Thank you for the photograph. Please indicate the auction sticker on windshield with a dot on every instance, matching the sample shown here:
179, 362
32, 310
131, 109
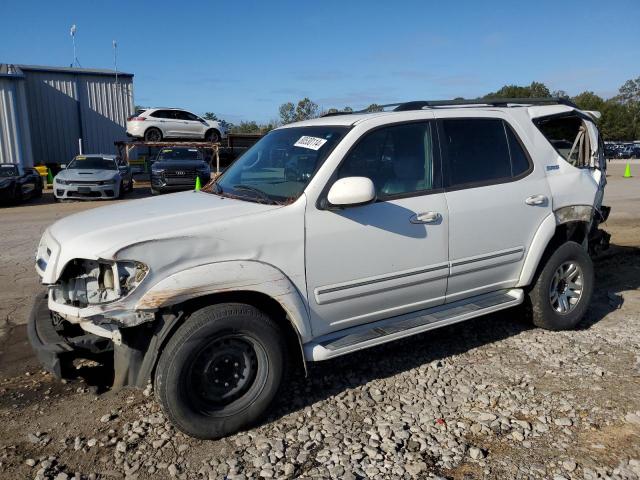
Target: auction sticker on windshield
312, 143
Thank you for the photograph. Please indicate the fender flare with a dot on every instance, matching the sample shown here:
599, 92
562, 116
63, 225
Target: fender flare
229, 276
541, 239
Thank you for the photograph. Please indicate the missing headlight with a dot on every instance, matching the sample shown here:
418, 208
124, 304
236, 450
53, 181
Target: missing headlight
92, 282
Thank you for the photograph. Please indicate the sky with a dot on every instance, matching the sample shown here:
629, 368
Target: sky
242, 59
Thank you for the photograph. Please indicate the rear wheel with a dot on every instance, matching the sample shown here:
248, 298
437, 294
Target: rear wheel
561, 293
152, 135
220, 370
212, 136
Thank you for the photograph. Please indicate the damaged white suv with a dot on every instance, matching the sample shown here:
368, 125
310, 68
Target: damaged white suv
328, 236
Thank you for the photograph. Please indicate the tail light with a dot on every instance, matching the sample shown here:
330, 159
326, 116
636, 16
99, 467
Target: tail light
136, 119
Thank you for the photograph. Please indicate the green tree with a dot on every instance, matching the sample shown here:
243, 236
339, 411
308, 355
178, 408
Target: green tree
374, 107
617, 122
306, 109
287, 113
210, 116
535, 90
347, 109
588, 101
630, 91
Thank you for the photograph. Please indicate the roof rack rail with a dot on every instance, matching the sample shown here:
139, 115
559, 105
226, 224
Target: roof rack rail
494, 102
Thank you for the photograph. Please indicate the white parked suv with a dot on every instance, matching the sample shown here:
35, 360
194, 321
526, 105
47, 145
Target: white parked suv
156, 124
328, 236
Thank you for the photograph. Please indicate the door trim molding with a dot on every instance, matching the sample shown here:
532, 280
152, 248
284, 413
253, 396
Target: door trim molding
390, 281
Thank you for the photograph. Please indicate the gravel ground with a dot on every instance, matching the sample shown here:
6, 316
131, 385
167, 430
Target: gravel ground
489, 398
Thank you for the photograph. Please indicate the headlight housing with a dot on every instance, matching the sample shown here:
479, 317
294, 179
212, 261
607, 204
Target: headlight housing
92, 282
61, 182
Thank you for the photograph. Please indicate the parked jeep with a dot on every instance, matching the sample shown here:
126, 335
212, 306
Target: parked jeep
328, 236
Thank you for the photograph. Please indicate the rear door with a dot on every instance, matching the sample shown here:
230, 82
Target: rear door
387, 258
496, 198
165, 120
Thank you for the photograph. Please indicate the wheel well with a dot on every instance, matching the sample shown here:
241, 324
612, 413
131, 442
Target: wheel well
576, 231
258, 300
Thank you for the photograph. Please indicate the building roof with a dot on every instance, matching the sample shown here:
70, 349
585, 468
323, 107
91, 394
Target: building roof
12, 70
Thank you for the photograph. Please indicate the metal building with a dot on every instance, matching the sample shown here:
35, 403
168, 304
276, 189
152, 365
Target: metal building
46, 111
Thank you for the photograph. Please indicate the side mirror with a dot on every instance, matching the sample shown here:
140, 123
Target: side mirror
351, 192
63, 166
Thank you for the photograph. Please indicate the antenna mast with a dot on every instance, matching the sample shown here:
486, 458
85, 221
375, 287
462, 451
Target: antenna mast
72, 32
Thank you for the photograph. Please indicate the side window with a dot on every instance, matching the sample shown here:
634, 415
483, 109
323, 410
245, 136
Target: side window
477, 150
190, 116
180, 115
519, 159
398, 159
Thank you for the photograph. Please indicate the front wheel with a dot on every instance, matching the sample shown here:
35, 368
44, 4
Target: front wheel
220, 370
561, 293
212, 136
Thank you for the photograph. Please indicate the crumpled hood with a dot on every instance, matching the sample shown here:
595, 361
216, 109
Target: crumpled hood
86, 175
103, 232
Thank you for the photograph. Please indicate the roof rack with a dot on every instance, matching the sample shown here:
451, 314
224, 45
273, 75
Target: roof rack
493, 102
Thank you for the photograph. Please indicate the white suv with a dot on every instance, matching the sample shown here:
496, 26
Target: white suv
326, 237
156, 124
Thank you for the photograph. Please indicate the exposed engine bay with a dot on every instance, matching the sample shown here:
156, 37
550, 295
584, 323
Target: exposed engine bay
93, 282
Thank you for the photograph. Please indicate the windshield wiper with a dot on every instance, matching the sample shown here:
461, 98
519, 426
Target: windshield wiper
257, 191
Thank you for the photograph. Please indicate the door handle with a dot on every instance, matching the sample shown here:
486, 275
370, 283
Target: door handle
536, 200
426, 217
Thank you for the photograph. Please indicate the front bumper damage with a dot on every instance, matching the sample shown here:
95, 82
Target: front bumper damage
132, 351
57, 343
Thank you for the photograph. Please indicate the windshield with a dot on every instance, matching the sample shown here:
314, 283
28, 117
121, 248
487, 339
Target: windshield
179, 154
8, 171
92, 163
278, 168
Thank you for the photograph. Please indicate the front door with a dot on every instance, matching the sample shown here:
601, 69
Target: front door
384, 259
496, 199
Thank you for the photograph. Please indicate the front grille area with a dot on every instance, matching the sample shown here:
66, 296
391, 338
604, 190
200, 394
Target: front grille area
186, 174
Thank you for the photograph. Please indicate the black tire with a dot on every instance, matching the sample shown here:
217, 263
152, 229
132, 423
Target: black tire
220, 370
544, 309
152, 135
37, 193
121, 190
130, 186
212, 136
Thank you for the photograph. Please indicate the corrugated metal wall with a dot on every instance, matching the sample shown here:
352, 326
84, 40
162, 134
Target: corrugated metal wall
52, 99
66, 106
105, 108
15, 145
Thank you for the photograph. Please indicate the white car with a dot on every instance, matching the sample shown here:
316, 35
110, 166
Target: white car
328, 236
93, 177
156, 124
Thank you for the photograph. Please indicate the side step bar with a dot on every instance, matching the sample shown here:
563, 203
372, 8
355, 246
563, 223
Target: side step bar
383, 331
